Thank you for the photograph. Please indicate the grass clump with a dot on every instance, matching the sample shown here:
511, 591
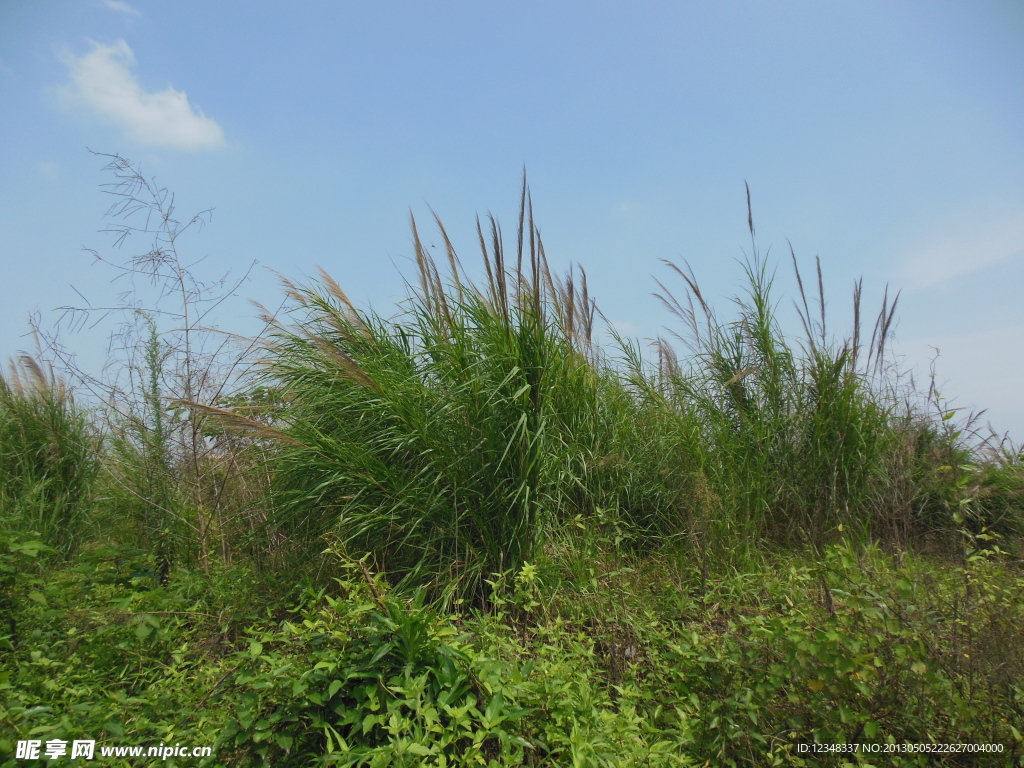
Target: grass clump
447, 442
797, 440
47, 455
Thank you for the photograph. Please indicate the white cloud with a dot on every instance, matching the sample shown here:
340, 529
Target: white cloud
117, 5
103, 82
964, 247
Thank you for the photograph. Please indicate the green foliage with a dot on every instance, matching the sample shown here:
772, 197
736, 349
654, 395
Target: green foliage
636, 669
855, 648
105, 653
797, 438
459, 439
849, 651
47, 455
369, 680
448, 442
19, 577
582, 558
996, 491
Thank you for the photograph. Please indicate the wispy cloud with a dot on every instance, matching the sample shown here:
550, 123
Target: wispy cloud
102, 81
964, 247
49, 169
117, 5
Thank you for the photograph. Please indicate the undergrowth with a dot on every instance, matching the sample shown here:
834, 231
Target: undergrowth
639, 664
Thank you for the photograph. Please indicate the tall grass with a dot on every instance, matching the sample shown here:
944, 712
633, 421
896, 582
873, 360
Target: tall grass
460, 438
47, 454
801, 439
794, 440
176, 481
446, 441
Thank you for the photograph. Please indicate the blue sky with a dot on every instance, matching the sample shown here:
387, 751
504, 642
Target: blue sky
888, 138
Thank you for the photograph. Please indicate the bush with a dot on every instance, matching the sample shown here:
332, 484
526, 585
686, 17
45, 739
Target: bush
370, 680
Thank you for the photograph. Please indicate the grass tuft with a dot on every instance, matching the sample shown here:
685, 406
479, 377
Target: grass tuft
47, 453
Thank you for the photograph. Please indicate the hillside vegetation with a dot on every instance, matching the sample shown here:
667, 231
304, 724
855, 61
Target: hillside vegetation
469, 534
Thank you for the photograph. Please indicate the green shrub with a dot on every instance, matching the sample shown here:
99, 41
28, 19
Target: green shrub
370, 680
107, 654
